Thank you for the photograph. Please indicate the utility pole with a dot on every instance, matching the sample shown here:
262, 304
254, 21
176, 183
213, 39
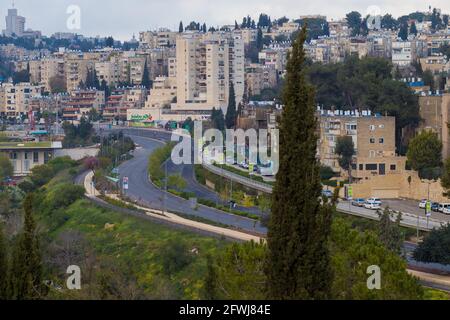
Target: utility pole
231, 195
165, 187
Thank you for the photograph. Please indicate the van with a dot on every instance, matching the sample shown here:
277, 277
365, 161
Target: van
443, 206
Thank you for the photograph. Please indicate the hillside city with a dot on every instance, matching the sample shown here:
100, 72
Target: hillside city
354, 203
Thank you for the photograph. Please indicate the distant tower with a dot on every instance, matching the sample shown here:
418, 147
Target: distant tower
15, 24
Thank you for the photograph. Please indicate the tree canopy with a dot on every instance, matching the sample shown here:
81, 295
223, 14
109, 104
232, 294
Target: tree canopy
425, 154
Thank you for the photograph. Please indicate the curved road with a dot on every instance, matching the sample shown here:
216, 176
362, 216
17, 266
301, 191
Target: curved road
143, 191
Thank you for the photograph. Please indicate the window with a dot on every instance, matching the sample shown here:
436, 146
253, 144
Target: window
372, 140
35, 157
372, 127
13, 156
371, 167
381, 140
361, 167
26, 156
393, 167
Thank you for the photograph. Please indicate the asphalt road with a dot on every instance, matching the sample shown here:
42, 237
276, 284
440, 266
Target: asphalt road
142, 190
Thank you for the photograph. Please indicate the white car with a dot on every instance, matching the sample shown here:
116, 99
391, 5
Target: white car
372, 206
443, 206
423, 204
374, 201
446, 210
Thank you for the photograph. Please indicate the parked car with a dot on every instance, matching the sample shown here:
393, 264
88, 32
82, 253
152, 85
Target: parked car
435, 206
359, 202
327, 193
374, 201
372, 206
443, 206
423, 203
446, 210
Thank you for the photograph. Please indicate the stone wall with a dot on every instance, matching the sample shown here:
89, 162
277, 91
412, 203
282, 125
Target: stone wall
404, 185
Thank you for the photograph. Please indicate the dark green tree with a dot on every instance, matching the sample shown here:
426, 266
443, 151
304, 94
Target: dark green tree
210, 288
259, 40
345, 148
26, 267
230, 118
3, 266
109, 42
403, 32
413, 29
425, 154
146, 82
354, 22
388, 22
298, 260
180, 27
389, 232
434, 247
217, 119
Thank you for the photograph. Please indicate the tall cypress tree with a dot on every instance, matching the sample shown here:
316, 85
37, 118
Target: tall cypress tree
180, 27
230, 118
3, 267
26, 272
298, 262
146, 77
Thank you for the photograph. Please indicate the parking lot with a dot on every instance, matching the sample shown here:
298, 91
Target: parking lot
412, 206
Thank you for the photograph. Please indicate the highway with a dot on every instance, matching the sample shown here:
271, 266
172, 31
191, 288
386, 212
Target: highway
142, 190
145, 193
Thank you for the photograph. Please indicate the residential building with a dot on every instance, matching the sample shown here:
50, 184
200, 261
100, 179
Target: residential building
80, 103
206, 65
15, 24
122, 99
24, 156
15, 99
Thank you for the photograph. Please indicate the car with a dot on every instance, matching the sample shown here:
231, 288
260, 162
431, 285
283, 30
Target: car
372, 206
327, 193
374, 201
435, 206
443, 206
446, 210
359, 202
423, 203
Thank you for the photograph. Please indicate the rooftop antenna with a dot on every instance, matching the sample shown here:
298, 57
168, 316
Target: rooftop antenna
13, 3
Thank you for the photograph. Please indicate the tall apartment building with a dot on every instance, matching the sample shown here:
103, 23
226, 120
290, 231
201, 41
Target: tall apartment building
206, 65
15, 24
15, 99
76, 68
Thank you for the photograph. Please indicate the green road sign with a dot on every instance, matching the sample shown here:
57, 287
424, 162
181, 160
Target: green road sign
428, 207
350, 191
251, 168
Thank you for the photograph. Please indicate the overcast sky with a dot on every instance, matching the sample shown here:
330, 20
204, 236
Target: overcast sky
122, 18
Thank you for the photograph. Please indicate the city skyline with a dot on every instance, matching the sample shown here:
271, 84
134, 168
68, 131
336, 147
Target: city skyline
98, 19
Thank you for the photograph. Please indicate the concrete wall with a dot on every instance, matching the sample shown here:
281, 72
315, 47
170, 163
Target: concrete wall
404, 185
78, 153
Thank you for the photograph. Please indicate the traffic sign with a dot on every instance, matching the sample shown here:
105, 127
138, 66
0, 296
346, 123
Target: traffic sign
349, 192
125, 183
428, 208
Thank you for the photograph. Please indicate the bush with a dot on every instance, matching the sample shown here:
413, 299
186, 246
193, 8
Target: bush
157, 159
175, 256
435, 247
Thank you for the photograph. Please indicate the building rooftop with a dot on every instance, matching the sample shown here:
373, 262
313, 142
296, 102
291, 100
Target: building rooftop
30, 145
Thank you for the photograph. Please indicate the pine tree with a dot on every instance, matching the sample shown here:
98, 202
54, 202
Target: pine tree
210, 289
146, 77
181, 28
298, 260
217, 119
403, 33
389, 232
26, 272
230, 118
3, 267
